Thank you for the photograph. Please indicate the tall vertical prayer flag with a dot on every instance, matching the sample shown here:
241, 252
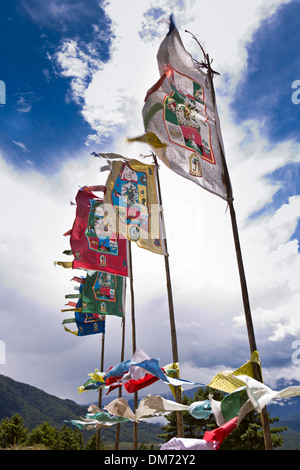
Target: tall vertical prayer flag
131, 191
87, 324
103, 293
180, 112
94, 243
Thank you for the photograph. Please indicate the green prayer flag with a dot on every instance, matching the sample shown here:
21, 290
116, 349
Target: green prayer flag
103, 293
233, 402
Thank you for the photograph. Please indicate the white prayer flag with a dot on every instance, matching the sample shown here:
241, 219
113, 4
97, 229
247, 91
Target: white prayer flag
181, 113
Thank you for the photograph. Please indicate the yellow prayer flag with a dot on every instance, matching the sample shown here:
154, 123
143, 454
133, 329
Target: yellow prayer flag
131, 204
226, 380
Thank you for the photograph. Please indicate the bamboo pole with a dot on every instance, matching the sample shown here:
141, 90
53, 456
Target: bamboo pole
100, 391
180, 429
135, 424
117, 441
243, 282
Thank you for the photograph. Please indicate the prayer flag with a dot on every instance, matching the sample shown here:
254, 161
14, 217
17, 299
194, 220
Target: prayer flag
87, 324
186, 443
227, 380
219, 434
180, 112
103, 293
94, 244
131, 192
119, 407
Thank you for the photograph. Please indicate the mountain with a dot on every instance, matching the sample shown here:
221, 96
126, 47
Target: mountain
35, 406
288, 410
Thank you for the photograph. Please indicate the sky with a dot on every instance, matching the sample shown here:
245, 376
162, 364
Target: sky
76, 74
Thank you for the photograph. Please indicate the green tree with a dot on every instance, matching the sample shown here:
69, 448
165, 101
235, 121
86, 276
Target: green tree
69, 439
12, 432
43, 434
247, 436
92, 444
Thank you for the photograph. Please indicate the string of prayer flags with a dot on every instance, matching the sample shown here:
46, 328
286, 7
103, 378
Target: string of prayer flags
130, 385
119, 411
131, 192
135, 374
94, 244
180, 111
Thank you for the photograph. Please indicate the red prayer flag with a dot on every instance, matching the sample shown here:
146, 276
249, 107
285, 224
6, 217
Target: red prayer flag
94, 245
134, 385
218, 435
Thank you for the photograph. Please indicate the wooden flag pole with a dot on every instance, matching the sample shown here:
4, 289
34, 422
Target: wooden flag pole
135, 424
100, 391
180, 429
120, 388
245, 295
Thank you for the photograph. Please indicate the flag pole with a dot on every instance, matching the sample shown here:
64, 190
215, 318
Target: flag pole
180, 430
100, 391
120, 388
135, 424
243, 282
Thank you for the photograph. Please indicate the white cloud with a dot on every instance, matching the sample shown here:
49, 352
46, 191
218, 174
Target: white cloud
23, 106
21, 145
77, 65
112, 93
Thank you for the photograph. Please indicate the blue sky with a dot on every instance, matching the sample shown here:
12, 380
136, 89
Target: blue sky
40, 119
265, 93
76, 74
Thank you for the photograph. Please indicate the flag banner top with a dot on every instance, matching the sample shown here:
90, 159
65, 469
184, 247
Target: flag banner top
103, 293
180, 111
94, 244
131, 192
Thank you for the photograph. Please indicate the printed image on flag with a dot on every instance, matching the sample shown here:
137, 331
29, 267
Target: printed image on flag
180, 111
131, 191
94, 244
103, 293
